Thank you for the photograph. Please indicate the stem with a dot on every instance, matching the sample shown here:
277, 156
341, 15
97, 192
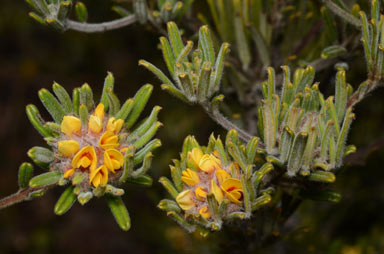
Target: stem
358, 96
226, 124
101, 27
342, 13
20, 196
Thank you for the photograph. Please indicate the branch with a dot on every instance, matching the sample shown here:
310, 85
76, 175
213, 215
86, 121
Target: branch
20, 196
226, 123
101, 27
342, 13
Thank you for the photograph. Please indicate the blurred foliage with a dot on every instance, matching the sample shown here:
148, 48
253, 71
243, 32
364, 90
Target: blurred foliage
33, 56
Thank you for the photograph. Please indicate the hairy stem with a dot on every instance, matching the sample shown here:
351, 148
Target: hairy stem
342, 13
100, 27
20, 196
226, 123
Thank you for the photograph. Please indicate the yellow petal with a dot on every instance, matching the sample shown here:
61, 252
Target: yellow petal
108, 140
201, 193
231, 184
204, 212
87, 152
115, 125
96, 180
95, 124
99, 111
70, 124
68, 147
185, 200
209, 163
233, 190
113, 159
217, 192
234, 197
69, 172
84, 162
222, 175
99, 176
195, 156
190, 177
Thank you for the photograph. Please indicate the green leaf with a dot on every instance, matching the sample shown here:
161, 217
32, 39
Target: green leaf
158, 73
175, 38
108, 86
296, 154
322, 176
52, 105
144, 180
81, 12
65, 202
168, 55
169, 186
41, 156
119, 211
125, 110
206, 43
76, 100
139, 156
333, 51
128, 164
63, 97
169, 206
139, 102
45, 179
25, 174
36, 120
214, 84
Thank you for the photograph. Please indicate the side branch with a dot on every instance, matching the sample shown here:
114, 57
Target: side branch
20, 196
342, 13
100, 27
227, 124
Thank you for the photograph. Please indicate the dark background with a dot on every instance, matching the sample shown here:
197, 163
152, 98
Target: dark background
33, 56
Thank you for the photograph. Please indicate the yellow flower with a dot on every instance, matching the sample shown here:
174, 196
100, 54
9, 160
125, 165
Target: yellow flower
95, 123
70, 124
99, 111
217, 192
69, 172
209, 163
195, 156
222, 175
68, 147
108, 140
201, 193
185, 200
204, 212
113, 160
114, 125
190, 177
85, 158
233, 190
99, 176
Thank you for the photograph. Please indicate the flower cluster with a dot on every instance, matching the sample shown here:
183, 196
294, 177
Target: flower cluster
216, 183
92, 149
209, 175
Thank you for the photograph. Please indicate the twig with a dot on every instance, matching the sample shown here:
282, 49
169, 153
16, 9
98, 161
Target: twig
101, 27
226, 123
21, 195
342, 13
